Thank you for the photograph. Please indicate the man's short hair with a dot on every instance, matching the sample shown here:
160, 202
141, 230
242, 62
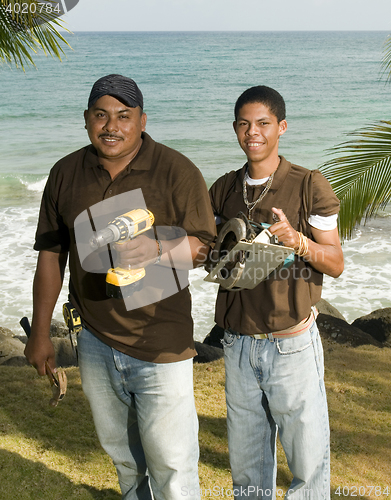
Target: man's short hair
263, 95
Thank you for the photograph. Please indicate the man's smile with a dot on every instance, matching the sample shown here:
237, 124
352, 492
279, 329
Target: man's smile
110, 138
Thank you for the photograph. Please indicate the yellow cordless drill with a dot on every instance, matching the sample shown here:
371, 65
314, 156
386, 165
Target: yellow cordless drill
123, 282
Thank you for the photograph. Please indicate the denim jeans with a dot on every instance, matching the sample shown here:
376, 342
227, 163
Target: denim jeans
270, 387
145, 418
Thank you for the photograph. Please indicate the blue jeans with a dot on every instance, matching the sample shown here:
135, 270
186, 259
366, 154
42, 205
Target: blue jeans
270, 387
145, 418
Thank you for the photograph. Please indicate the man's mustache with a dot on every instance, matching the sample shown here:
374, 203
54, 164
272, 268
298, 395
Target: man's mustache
110, 136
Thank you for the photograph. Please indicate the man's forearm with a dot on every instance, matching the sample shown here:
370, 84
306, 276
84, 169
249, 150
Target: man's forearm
325, 253
46, 289
325, 258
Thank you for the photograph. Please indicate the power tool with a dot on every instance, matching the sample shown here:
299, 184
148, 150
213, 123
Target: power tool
245, 254
122, 283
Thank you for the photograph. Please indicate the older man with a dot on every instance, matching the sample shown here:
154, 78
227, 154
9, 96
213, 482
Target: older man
135, 362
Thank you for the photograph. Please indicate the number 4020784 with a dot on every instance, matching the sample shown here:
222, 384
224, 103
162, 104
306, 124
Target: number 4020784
34, 8
363, 491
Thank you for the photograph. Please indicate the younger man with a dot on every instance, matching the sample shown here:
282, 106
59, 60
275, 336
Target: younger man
273, 353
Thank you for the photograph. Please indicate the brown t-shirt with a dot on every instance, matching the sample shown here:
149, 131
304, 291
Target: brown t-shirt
286, 296
175, 192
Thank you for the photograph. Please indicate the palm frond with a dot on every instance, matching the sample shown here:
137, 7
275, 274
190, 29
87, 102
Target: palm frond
360, 175
23, 34
386, 60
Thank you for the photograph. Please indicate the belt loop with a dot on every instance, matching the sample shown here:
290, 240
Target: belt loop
271, 338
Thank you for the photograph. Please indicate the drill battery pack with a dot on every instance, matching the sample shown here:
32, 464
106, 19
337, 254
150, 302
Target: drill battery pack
72, 318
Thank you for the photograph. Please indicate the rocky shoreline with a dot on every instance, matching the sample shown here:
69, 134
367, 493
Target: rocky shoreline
12, 346
372, 329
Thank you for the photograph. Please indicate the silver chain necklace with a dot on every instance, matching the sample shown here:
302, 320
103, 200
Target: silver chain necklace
251, 205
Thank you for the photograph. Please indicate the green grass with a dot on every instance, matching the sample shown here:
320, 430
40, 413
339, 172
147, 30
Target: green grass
53, 453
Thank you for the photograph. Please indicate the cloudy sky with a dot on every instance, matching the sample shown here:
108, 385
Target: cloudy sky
242, 15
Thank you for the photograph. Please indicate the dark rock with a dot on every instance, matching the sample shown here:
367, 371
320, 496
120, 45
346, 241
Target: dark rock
207, 353
214, 337
340, 331
377, 324
58, 329
10, 348
65, 355
325, 307
21, 338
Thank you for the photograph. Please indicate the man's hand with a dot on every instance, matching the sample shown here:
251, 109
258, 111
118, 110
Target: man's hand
183, 253
40, 349
136, 253
324, 250
284, 231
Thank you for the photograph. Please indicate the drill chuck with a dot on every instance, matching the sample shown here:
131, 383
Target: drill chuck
109, 234
124, 227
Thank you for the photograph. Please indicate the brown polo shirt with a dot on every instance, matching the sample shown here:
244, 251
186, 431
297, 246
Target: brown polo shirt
286, 296
175, 192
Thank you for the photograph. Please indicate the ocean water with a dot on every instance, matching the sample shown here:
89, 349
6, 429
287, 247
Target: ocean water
332, 85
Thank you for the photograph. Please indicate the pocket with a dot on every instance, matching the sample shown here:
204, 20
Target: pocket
229, 338
294, 344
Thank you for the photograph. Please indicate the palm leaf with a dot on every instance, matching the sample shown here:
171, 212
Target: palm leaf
22, 35
361, 175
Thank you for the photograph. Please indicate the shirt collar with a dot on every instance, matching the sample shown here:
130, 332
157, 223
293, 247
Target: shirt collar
279, 175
